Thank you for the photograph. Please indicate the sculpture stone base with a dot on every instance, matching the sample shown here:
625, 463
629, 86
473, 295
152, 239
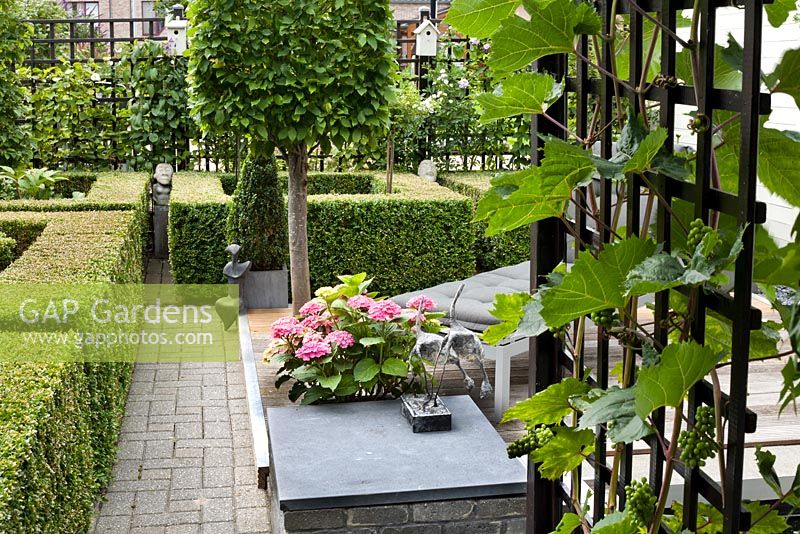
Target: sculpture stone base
429, 419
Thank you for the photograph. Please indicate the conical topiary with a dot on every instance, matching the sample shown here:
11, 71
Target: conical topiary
258, 220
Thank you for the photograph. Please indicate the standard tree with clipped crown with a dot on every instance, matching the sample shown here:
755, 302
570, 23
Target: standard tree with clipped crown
257, 220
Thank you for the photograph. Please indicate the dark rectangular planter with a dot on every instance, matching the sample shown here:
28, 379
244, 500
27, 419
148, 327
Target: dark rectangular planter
266, 289
433, 419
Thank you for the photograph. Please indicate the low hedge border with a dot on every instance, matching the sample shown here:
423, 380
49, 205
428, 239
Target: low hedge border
414, 238
319, 183
492, 252
109, 191
59, 422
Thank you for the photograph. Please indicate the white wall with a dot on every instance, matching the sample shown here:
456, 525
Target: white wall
785, 114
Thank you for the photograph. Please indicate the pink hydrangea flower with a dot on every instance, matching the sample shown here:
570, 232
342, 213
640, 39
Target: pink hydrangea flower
360, 302
311, 350
422, 302
315, 321
342, 338
285, 327
384, 310
312, 307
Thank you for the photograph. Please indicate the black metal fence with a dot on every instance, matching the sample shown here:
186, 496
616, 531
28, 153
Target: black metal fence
549, 359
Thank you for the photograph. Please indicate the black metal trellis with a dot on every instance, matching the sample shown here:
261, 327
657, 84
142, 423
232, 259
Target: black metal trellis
549, 360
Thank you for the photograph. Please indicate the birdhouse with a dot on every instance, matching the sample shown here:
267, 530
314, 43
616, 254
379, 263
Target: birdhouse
427, 39
176, 31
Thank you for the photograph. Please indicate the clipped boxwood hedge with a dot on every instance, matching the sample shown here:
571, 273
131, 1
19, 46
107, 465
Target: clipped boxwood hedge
59, 422
198, 212
108, 191
508, 248
8, 247
414, 238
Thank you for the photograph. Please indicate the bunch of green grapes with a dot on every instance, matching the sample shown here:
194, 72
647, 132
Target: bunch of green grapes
640, 502
536, 437
605, 318
697, 231
698, 444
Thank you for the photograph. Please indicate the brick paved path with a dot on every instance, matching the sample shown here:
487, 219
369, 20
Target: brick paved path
185, 462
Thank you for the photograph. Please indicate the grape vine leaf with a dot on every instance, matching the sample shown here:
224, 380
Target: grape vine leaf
725, 76
615, 406
777, 161
790, 373
765, 460
568, 448
616, 523
641, 160
631, 138
508, 307
552, 29
778, 11
769, 520
536, 193
569, 522
656, 273
524, 93
595, 284
479, 18
708, 517
786, 76
682, 365
548, 406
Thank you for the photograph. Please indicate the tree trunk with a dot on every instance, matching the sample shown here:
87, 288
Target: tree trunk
390, 161
297, 161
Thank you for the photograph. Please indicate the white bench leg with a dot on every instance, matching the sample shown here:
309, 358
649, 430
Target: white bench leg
502, 382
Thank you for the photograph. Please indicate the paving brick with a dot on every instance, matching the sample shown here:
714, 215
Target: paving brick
216, 413
128, 450
118, 503
134, 423
183, 529
151, 502
218, 457
250, 520
217, 430
191, 430
219, 528
127, 470
243, 456
165, 519
147, 530
187, 477
137, 408
137, 485
148, 474
249, 497
159, 448
112, 524
218, 510
187, 505
189, 452
214, 477
214, 380
162, 407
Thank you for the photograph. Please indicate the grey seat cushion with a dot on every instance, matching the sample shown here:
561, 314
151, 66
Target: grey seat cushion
472, 308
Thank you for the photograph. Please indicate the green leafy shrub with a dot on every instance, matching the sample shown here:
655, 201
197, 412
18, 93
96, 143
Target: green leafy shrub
160, 126
496, 251
8, 246
80, 181
339, 183
257, 219
228, 182
32, 184
15, 140
198, 211
72, 126
59, 422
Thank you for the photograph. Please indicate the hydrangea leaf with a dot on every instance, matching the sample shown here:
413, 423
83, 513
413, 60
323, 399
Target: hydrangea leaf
479, 18
365, 370
525, 93
595, 284
682, 365
394, 367
786, 76
568, 448
508, 307
550, 405
615, 406
552, 29
330, 382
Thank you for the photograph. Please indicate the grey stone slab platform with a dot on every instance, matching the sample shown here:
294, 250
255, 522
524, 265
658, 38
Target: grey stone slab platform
365, 454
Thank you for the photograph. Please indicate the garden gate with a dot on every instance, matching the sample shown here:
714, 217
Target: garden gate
549, 358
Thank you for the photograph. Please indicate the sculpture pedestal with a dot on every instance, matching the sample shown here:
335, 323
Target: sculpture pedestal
424, 418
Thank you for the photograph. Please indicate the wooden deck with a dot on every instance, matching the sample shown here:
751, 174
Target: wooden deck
780, 433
